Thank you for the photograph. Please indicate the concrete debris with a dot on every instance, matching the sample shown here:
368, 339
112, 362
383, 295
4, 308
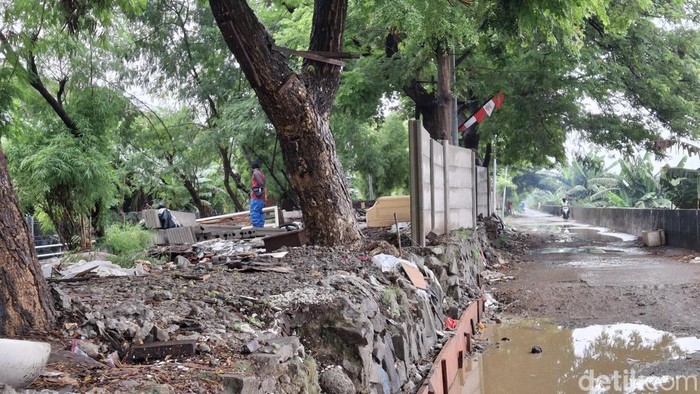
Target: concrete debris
307, 296
223, 247
101, 268
335, 381
251, 347
495, 276
218, 308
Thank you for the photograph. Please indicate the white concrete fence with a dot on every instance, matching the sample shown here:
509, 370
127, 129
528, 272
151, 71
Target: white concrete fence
448, 189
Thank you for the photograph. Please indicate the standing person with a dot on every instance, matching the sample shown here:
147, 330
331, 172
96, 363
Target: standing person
167, 220
257, 196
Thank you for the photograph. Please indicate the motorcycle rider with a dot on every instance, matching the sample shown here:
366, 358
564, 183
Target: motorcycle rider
565, 208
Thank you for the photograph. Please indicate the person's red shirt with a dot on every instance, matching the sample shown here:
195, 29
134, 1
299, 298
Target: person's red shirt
258, 181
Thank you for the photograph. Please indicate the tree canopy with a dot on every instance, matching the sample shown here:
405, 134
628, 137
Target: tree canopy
113, 105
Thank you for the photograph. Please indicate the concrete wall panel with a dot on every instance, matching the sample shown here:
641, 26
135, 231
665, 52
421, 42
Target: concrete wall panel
682, 226
443, 191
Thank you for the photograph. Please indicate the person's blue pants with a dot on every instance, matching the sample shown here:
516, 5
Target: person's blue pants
256, 213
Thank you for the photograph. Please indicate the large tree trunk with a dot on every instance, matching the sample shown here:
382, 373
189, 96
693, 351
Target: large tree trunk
204, 209
25, 302
299, 107
426, 108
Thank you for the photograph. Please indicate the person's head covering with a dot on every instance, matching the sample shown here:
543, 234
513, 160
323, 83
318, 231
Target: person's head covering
255, 164
161, 205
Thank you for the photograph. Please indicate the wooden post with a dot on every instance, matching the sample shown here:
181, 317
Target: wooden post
398, 235
445, 385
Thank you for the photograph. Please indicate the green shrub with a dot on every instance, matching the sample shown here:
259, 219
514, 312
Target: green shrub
122, 239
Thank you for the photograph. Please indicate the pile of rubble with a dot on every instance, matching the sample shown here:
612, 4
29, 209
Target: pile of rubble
228, 315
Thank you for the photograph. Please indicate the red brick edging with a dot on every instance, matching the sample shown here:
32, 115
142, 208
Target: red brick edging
451, 358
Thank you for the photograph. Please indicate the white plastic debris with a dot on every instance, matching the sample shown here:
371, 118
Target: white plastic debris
387, 262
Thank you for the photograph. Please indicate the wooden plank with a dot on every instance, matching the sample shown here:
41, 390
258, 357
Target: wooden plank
159, 350
222, 218
382, 213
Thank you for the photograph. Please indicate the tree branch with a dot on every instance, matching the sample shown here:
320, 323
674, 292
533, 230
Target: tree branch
38, 85
61, 90
243, 34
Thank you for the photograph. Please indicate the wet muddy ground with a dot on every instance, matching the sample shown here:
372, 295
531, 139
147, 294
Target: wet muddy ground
578, 276
610, 315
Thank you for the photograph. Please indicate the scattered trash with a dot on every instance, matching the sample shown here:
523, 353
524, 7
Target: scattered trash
402, 226
386, 262
451, 323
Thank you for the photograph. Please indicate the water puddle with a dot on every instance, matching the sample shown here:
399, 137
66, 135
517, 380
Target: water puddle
587, 250
543, 227
595, 359
600, 234
595, 234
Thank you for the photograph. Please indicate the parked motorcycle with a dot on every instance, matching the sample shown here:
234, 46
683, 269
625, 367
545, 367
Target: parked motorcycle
565, 212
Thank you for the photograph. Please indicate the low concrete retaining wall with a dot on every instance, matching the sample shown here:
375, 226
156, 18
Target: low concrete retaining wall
682, 226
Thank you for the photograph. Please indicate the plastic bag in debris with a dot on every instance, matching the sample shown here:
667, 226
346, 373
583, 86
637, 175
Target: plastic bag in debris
387, 262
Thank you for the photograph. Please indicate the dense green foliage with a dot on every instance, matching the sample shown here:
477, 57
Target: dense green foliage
127, 243
629, 182
116, 105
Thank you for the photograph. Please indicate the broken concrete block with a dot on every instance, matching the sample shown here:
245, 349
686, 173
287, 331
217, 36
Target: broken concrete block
240, 384
160, 334
91, 349
335, 381
251, 347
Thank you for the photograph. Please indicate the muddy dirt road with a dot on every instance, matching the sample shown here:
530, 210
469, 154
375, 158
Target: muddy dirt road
578, 276
609, 314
